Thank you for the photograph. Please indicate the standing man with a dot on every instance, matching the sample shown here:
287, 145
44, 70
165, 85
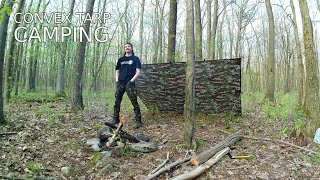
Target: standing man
128, 69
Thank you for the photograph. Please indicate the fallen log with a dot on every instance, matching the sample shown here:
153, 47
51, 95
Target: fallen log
8, 133
203, 167
205, 155
10, 177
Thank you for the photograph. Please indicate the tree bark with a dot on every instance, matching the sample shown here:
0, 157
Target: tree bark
214, 30
271, 64
312, 81
3, 41
189, 106
198, 31
141, 29
230, 36
172, 31
33, 61
160, 33
77, 101
205, 155
220, 37
21, 57
239, 31
208, 48
9, 75
155, 33
18, 65
60, 85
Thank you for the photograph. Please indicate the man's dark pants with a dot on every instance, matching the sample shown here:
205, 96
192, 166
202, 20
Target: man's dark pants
130, 88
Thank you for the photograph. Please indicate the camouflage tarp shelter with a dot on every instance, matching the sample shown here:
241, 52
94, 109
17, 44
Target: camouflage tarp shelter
217, 84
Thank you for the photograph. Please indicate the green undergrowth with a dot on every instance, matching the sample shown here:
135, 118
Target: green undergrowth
36, 97
250, 101
284, 116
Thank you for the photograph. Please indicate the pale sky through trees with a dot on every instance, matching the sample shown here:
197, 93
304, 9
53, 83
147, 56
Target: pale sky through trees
115, 8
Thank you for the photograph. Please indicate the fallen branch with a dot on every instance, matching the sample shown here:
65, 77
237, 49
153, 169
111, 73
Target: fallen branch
272, 140
204, 156
8, 133
239, 167
161, 165
23, 178
202, 168
10, 177
167, 168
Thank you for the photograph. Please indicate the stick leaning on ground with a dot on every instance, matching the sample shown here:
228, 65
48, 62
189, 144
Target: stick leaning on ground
167, 168
115, 133
161, 165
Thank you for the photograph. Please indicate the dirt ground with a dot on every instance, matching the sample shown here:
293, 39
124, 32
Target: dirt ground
50, 144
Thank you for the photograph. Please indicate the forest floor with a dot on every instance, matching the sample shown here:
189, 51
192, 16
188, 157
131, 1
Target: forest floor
50, 143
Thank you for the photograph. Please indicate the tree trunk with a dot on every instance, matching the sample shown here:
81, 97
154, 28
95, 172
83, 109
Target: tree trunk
214, 30
239, 25
77, 102
220, 37
3, 41
286, 52
141, 29
208, 29
198, 29
172, 31
12, 46
155, 31
312, 81
18, 64
230, 37
160, 34
189, 106
33, 62
271, 64
22, 57
60, 85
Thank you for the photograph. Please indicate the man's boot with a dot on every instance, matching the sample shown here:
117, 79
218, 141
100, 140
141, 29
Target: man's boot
114, 121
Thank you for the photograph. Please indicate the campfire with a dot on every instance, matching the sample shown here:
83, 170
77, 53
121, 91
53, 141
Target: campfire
111, 138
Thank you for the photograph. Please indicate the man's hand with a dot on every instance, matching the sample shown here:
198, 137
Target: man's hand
130, 83
138, 72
